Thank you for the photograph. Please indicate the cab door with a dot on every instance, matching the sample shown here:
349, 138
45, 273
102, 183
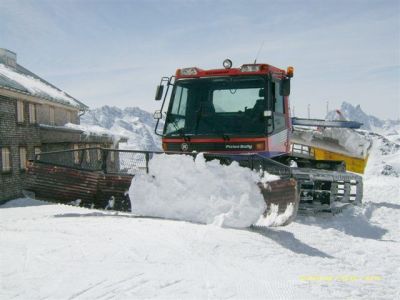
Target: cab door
279, 137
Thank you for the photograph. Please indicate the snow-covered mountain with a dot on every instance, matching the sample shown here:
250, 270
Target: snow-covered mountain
132, 122
384, 158
390, 128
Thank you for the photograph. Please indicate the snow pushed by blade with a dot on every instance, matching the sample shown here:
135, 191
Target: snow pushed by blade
181, 188
274, 218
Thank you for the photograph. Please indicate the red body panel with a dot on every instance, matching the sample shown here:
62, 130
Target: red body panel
264, 69
273, 146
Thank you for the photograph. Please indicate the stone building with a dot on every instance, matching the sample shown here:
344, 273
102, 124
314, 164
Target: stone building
33, 115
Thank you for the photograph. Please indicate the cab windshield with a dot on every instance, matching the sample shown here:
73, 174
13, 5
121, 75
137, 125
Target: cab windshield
217, 106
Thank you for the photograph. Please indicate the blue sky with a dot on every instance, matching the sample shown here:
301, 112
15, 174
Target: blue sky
114, 52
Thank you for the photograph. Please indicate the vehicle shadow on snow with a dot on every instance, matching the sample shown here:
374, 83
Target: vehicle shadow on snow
289, 241
95, 214
387, 205
22, 202
109, 213
370, 207
354, 225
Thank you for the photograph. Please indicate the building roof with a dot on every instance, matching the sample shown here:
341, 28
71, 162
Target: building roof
16, 78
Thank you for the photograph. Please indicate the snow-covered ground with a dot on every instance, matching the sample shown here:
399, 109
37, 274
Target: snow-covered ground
51, 251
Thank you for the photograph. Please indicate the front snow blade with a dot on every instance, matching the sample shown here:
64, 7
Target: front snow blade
282, 199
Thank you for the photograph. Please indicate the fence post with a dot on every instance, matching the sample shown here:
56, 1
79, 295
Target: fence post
81, 154
104, 154
250, 162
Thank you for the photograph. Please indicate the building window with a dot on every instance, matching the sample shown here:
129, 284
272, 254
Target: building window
51, 111
98, 152
5, 159
22, 158
20, 111
76, 154
32, 113
69, 117
112, 155
37, 152
88, 153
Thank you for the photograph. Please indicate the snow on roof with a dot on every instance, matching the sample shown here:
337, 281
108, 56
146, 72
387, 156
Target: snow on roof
24, 81
96, 130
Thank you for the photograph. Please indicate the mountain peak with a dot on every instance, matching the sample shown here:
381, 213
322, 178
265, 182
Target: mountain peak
136, 124
355, 113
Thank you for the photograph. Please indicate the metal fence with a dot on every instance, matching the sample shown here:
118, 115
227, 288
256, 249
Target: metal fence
116, 161
99, 159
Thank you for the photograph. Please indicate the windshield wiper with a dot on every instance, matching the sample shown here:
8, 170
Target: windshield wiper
179, 131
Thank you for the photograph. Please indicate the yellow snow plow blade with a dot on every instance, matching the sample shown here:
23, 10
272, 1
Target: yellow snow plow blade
353, 164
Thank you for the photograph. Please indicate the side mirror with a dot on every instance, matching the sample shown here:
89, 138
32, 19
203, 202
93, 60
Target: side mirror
285, 87
159, 92
157, 115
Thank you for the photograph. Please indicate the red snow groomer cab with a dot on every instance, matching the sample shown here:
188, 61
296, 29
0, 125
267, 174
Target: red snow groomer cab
243, 114
230, 110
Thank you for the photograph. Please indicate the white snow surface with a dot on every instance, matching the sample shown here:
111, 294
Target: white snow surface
52, 251
63, 252
36, 86
182, 188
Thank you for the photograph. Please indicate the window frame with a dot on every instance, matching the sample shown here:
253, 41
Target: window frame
52, 113
112, 155
37, 150
76, 153
99, 156
32, 113
23, 159
20, 111
3, 160
87, 154
69, 116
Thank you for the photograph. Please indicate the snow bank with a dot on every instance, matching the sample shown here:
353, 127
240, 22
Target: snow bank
181, 188
35, 86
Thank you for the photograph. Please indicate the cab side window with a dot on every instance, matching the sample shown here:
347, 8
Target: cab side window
278, 98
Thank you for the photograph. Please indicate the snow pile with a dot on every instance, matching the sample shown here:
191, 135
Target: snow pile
348, 139
35, 86
274, 218
345, 140
181, 188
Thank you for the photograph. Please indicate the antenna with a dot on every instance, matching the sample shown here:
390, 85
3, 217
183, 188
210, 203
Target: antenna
259, 50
